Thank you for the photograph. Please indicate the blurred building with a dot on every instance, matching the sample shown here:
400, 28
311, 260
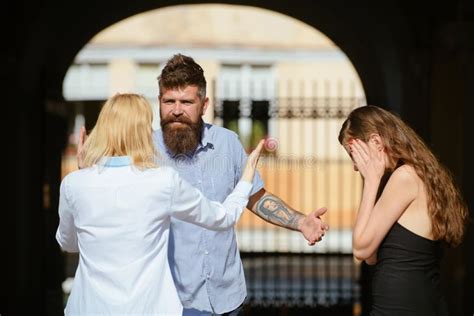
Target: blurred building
279, 78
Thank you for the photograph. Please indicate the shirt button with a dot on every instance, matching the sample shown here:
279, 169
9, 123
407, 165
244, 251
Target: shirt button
208, 276
206, 252
199, 181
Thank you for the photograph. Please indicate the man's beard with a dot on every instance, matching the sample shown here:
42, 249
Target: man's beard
181, 138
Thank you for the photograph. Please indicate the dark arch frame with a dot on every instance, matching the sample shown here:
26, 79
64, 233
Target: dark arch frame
367, 56
411, 57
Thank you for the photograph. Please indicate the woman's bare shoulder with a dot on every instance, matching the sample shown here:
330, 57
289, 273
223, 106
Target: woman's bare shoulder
404, 177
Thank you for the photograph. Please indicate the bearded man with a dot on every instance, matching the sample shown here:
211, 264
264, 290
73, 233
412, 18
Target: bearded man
205, 264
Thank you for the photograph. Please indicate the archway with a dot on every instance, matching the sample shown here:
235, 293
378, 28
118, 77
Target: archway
280, 78
60, 33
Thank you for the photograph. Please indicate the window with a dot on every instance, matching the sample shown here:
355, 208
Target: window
87, 81
245, 92
147, 79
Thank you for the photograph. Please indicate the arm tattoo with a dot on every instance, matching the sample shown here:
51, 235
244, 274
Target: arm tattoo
275, 211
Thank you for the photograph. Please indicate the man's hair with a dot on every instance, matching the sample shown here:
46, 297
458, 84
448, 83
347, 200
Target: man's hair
181, 71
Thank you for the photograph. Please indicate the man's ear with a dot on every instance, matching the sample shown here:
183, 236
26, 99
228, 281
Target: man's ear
205, 105
375, 139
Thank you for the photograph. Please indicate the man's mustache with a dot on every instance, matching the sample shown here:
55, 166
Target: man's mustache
170, 120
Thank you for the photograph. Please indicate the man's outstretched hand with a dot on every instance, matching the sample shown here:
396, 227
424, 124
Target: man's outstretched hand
312, 226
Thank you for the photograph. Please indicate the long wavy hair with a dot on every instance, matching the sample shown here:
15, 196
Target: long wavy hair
446, 207
124, 128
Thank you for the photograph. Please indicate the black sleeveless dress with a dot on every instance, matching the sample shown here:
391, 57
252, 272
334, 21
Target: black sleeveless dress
406, 278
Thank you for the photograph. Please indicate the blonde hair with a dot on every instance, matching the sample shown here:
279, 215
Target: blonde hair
124, 128
446, 207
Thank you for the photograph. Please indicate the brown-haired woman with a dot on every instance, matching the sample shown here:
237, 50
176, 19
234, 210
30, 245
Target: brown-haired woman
410, 204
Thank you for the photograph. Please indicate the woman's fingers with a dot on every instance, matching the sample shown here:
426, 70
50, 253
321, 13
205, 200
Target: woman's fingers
80, 147
255, 154
368, 160
251, 164
363, 149
82, 138
356, 155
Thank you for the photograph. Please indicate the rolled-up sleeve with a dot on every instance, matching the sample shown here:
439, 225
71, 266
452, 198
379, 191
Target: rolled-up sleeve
66, 235
190, 205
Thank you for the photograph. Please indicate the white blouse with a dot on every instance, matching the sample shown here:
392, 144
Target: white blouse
118, 218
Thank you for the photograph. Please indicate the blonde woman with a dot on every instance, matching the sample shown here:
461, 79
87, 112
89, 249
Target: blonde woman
116, 213
409, 205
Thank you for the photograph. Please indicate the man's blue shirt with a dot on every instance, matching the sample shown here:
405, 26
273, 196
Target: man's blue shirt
206, 264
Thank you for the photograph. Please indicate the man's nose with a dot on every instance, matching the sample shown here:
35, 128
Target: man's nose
177, 109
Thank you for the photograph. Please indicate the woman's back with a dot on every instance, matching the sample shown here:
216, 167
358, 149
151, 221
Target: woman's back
118, 217
416, 217
122, 219
406, 279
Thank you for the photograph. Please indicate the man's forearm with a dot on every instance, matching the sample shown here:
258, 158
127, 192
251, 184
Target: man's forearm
273, 210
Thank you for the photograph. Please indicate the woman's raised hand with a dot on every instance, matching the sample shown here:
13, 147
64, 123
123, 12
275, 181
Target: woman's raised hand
252, 160
369, 161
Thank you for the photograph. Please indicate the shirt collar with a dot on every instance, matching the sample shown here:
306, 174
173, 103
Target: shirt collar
116, 161
206, 141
